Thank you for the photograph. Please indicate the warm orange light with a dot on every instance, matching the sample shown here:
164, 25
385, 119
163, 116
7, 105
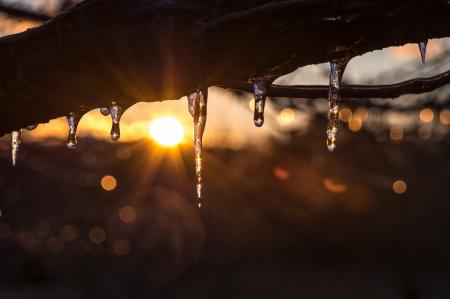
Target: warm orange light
121, 247
127, 215
396, 133
445, 116
362, 113
109, 183
355, 124
399, 186
281, 173
97, 235
426, 115
345, 114
286, 116
167, 131
334, 187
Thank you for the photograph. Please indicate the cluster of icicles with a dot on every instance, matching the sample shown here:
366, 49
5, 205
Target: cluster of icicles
197, 105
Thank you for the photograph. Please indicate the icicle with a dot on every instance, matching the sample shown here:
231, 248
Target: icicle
104, 111
32, 127
116, 115
260, 93
15, 145
73, 125
198, 102
423, 50
337, 71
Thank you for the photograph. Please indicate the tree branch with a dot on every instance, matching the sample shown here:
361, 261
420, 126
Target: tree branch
388, 91
148, 50
20, 13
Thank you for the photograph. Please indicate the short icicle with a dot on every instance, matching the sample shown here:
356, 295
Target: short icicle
198, 102
337, 71
73, 120
260, 93
15, 145
423, 50
116, 114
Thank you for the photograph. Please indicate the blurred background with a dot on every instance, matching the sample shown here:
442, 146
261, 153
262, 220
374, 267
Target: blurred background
283, 217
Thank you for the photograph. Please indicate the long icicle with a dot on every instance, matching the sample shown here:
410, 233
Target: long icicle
423, 50
198, 104
337, 71
260, 93
15, 145
73, 121
116, 114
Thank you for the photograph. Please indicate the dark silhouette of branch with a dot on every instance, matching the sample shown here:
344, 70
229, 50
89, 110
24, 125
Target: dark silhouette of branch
151, 50
21, 13
388, 91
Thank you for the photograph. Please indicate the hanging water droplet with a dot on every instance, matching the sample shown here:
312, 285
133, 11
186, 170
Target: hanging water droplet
32, 127
337, 71
73, 121
199, 112
116, 115
104, 111
15, 145
423, 50
260, 93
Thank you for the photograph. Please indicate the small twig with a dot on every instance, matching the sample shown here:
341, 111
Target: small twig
390, 91
20, 13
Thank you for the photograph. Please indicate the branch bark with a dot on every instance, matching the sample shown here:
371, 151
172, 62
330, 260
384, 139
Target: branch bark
387, 91
147, 50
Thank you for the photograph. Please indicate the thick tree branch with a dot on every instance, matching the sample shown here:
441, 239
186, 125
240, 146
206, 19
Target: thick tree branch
147, 50
388, 91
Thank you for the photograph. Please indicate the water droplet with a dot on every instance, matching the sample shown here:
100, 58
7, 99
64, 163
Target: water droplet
104, 111
199, 102
260, 93
15, 145
32, 127
116, 115
73, 121
423, 50
337, 71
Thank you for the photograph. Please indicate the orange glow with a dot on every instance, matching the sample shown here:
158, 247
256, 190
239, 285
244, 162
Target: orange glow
362, 113
396, 133
55, 245
345, 114
167, 131
121, 247
281, 173
445, 116
97, 235
127, 215
334, 187
68, 233
426, 115
355, 124
286, 116
109, 183
399, 186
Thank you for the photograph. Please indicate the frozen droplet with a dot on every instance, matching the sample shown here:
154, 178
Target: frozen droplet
73, 121
199, 112
104, 111
260, 93
337, 71
423, 50
15, 145
32, 127
116, 115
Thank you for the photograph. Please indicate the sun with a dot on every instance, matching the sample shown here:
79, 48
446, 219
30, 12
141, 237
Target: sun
166, 131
